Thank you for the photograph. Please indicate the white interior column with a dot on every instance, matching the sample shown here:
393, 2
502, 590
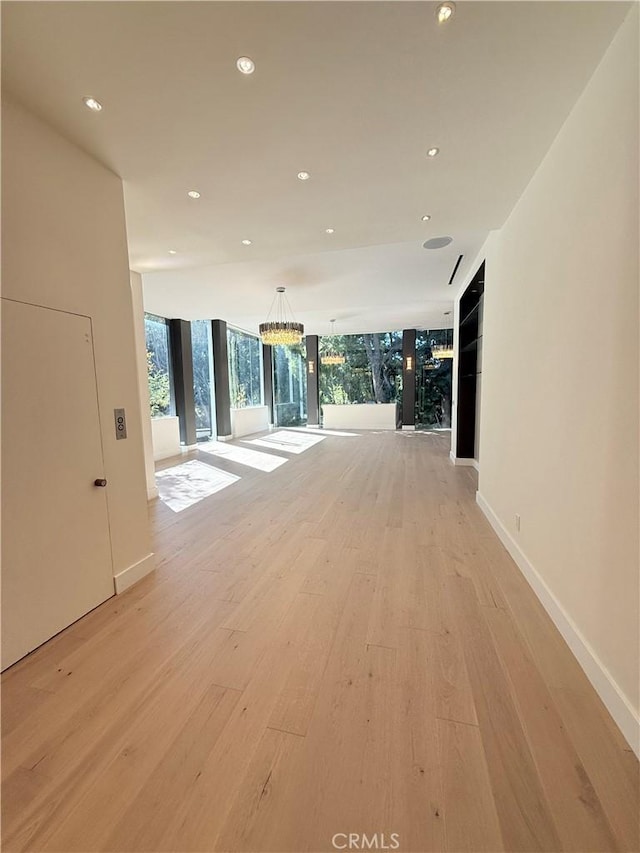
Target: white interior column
143, 383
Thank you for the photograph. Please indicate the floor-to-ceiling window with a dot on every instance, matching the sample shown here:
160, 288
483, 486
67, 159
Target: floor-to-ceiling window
289, 385
161, 399
202, 355
433, 378
245, 369
370, 373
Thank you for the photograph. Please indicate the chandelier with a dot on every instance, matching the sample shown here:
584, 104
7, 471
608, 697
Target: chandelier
332, 357
441, 351
279, 329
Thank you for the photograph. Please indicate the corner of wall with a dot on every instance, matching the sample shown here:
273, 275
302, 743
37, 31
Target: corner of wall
131, 575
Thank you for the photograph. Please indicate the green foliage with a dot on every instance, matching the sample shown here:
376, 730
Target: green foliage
433, 381
200, 347
159, 389
290, 385
372, 372
157, 340
244, 369
239, 396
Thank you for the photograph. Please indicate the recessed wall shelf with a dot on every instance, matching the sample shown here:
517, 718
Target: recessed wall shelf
472, 316
470, 342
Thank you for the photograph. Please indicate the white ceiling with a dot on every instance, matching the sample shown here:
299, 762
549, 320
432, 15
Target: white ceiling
353, 92
376, 288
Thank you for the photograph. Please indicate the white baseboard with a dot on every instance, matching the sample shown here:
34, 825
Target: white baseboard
126, 578
614, 699
462, 461
408, 426
152, 493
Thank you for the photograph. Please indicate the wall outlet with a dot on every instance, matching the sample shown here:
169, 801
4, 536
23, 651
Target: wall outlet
517, 522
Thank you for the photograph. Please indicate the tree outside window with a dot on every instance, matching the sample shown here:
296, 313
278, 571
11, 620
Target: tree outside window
245, 369
290, 385
371, 373
202, 360
161, 402
433, 381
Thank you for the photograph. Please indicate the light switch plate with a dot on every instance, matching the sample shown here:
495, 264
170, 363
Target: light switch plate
121, 423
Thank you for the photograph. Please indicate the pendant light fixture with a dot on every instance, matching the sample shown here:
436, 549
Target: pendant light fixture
280, 327
332, 357
445, 350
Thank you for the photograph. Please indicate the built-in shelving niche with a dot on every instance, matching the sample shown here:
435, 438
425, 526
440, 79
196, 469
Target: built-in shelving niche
469, 366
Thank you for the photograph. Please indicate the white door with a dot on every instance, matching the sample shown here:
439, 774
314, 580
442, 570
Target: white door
56, 554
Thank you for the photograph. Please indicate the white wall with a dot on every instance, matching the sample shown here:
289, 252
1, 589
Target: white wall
165, 434
65, 246
559, 439
143, 382
249, 420
359, 416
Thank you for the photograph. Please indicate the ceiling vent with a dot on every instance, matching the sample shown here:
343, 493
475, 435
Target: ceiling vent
455, 269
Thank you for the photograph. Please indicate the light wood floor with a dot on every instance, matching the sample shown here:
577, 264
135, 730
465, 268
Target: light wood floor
339, 646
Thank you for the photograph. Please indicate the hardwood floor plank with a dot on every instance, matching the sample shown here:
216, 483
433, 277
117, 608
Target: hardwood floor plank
523, 810
68, 721
419, 816
76, 756
340, 645
611, 766
147, 819
471, 819
201, 814
453, 692
255, 821
579, 817
297, 699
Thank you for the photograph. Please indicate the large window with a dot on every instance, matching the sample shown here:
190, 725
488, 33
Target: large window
202, 356
245, 369
159, 366
433, 380
289, 385
371, 373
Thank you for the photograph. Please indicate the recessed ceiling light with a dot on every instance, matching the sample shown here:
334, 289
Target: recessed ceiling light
245, 65
246, 242
92, 104
433, 152
172, 252
445, 11
303, 176
426, 217
329, 230
193, 194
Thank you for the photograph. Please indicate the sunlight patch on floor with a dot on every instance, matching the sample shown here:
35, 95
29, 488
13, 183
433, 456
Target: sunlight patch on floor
418, 432
243, 456
289, 442
186, 484
323, 431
